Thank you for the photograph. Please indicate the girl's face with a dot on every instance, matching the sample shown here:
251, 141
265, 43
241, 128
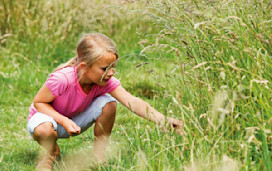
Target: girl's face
101, 71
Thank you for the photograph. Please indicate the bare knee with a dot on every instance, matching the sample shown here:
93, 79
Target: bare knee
105, 121
108, 112
110, 108
44, 131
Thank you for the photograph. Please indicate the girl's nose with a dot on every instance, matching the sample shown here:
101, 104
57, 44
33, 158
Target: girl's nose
111, 72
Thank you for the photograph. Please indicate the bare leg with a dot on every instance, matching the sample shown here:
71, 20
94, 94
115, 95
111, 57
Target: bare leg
47, 137
102, 130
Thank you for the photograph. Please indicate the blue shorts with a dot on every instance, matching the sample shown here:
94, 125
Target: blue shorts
84, 120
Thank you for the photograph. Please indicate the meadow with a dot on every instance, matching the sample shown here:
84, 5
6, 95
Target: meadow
208, 63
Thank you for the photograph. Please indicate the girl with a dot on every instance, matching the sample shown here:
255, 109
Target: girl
74, 97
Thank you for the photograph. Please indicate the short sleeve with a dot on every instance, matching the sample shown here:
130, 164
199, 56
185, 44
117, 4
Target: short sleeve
112, 84
57, 83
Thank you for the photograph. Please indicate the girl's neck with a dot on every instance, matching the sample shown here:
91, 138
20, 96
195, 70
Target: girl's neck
85, 86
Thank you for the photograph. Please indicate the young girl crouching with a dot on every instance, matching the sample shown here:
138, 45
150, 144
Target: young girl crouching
74, 97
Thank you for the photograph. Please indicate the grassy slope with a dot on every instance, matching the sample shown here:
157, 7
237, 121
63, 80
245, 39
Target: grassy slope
237, 135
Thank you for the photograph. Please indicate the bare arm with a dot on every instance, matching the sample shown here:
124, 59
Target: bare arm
42, 103
142, 108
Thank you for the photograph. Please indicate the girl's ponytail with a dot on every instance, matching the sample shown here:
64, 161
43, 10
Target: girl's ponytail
71, 62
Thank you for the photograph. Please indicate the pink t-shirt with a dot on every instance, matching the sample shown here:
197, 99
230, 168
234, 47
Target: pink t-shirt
70, 99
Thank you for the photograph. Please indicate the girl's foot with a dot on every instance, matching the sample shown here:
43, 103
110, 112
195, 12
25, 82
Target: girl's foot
46, 163
48, 160
56, 153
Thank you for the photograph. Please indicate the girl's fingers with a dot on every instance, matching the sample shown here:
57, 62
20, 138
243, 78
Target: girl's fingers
178, 127
174, 123
76, 128
71, 131
177, 124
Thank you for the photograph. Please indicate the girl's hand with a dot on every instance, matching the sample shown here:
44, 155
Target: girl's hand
176, 124
70, 126
172, 123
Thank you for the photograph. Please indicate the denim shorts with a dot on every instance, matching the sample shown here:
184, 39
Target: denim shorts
84, 119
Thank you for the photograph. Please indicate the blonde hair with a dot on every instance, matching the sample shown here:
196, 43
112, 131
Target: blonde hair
91, 48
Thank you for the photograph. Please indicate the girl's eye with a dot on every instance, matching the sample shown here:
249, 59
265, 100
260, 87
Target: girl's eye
114, 67
105, 69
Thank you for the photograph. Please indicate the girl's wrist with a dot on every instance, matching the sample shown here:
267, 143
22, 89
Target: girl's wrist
60, 119
162, 121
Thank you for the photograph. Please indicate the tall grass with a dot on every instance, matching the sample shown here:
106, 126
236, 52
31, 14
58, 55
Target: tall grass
207, 63
218, 55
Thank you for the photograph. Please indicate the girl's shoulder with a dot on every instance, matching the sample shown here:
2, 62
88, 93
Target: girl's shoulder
68, 73
65, 75
66, 70
60, 80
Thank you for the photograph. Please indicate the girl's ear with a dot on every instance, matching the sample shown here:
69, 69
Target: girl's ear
82, 65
